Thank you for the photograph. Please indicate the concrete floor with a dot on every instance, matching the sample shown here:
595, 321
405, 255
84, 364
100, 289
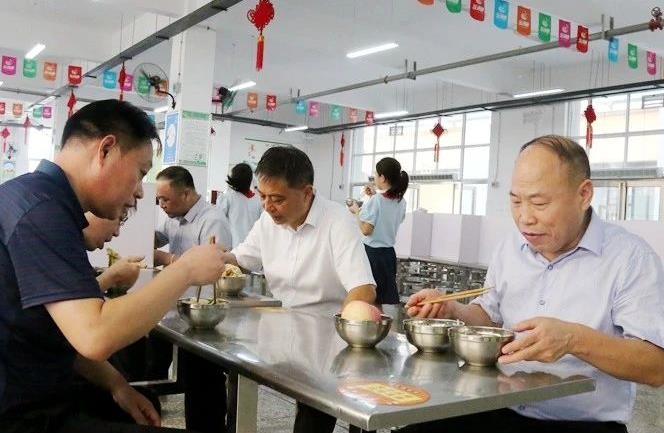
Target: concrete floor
276, 412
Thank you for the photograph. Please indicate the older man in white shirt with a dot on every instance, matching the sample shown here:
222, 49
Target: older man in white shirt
308, 247
586, 297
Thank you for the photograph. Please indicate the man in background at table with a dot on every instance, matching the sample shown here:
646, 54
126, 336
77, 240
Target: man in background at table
191, 220
586, 297
308, 247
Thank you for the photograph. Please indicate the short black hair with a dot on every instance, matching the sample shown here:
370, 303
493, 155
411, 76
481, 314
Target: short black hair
569, 151
240, 177
112, 117
287, 163
179, 177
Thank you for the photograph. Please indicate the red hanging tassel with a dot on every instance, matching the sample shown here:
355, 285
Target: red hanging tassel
341, 152
122, 76
260, 48
590, 115
70, 104
5, 133
26, 125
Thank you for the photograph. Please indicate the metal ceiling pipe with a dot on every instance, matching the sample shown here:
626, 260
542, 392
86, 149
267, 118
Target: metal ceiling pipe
176, 27
488, 106
607, 34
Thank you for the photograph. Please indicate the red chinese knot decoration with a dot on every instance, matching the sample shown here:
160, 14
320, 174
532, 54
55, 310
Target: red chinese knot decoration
4, 134
656, 23
260, 17
590, 116
341, 152
72, 102
437, 130
122, 77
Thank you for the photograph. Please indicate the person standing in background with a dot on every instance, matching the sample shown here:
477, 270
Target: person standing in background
379, 220
240, 204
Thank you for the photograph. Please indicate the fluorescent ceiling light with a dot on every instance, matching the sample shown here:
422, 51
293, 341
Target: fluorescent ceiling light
1, 82
241, 86
538, 93
296, 128
34, 51
372, 50
390, 114
162, 109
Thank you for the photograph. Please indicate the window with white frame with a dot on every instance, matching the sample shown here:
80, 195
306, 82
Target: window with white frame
627, 154
464, 157
40, 146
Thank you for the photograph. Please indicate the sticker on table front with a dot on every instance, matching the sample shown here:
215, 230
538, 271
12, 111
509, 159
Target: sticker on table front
384, 393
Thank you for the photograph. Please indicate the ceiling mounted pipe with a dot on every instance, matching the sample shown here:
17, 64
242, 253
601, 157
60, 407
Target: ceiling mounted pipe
605, 34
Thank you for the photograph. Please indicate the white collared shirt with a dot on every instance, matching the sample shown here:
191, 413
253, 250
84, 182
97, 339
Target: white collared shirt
313, 266
612, 282
242, 213
195, 228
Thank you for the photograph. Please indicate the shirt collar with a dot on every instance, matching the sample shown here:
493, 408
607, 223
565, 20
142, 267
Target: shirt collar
194, 211
314, 215
591, 240
58, 176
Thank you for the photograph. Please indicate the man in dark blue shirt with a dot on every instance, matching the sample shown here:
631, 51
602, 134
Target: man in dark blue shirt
55, 328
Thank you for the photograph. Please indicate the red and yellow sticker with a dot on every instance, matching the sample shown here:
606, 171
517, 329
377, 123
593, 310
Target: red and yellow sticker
383, 393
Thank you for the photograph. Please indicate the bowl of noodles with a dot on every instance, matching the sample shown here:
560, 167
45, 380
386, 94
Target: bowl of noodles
232, 281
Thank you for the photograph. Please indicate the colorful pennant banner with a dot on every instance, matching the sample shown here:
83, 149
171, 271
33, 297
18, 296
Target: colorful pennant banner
501, 13
523, 21
477, 9
9, 65
29, 68
544, 27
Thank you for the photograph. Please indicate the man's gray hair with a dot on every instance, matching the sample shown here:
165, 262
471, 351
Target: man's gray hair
569, 151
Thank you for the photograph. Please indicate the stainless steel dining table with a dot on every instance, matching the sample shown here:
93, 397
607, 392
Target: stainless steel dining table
299, 354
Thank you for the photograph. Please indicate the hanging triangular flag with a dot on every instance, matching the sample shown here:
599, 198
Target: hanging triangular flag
271, 102
29, 68
632, 56
614, 46
109, 80
564, 33
477, 9
453, 6
651, 59
544, 28
314, 108
523, 21
300, 107
582, 39
252, 100
353, 115
74, 75
369, 118
335, 112
501, 13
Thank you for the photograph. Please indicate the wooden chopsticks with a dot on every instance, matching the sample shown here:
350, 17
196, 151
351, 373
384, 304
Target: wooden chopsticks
454, 296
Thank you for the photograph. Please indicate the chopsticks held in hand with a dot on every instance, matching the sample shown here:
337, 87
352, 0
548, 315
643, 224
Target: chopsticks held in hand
213, 240
454, 296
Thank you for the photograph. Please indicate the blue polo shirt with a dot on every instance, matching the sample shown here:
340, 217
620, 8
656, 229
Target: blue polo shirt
42, 260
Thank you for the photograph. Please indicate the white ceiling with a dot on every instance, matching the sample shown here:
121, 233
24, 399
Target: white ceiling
307, 41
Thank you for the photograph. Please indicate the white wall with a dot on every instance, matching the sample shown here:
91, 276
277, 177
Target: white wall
510, 129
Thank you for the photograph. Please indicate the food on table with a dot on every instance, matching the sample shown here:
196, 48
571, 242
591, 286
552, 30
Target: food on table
361, 311
113, 256
232, 271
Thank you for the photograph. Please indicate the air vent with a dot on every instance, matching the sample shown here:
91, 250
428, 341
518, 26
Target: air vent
652, 101
626, 173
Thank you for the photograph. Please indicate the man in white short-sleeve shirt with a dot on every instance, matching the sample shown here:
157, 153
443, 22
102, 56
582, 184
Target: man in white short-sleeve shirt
308, 247
584, 295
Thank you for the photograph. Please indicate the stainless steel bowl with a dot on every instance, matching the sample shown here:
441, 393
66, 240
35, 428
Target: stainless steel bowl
430, 335
202, 315
231, 285
479, 345
361, 333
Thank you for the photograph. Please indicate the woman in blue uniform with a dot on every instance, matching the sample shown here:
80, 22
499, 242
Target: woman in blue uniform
379, 219
240, 204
